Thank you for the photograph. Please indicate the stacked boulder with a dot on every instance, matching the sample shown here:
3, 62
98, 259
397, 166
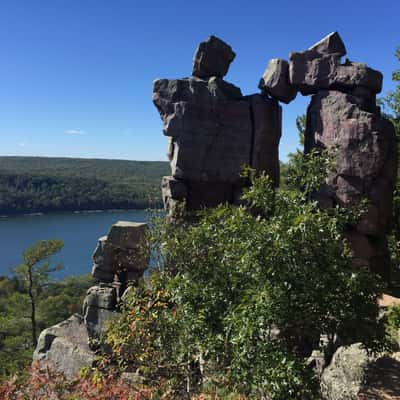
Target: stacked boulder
344, 119
121, 256
120, 260
214, 131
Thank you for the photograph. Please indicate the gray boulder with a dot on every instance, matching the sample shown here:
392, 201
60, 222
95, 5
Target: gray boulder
121, 256
346, 374
127, 234
353, 374
65, 347
98, 308
275, 81
212, 58
102, 296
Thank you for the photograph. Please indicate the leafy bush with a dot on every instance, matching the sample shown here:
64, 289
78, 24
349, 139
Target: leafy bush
244, 294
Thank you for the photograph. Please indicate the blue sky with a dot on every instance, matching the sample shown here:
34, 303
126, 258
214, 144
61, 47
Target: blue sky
76, 75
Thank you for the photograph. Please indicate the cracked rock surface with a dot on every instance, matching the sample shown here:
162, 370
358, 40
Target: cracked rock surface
214, 132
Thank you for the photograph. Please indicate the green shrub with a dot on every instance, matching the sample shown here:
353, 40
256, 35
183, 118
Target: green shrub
244, 294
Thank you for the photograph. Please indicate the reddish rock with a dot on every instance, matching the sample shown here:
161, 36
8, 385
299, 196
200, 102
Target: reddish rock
364, 147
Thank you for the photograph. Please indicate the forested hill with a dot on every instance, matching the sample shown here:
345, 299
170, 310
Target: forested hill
44, 184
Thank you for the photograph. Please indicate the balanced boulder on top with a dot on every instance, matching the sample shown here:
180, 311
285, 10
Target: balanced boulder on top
212, 58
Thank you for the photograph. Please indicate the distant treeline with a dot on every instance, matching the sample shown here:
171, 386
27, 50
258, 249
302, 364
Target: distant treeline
41, 184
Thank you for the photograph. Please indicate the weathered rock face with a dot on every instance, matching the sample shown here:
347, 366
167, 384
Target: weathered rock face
214, 131
363, 144
344, 119
65, 347
364, 147
98, 308
121, 256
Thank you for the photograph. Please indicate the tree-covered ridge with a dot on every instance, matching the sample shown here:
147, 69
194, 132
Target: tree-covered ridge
41, 184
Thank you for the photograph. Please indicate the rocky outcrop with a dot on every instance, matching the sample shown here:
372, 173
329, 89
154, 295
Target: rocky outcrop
120, 260
346, 121
213, 132
65, 347
122, 256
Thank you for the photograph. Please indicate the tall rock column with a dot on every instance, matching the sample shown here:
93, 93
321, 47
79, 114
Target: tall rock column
120, 259
344, 119
214, 131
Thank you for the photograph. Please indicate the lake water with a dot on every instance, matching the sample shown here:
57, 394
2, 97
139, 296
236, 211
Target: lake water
79, 231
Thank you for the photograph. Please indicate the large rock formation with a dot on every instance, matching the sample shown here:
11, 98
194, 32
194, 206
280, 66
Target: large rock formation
120, 260
214, 131
344, 119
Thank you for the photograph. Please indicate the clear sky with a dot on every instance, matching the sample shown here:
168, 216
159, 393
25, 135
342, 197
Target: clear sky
76, 75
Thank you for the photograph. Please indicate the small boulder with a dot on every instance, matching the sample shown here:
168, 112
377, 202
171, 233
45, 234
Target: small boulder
275, 81
212, 58
354, 374
65, 347
346, 374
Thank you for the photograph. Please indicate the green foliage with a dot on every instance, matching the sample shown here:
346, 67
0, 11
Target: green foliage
392, 99
393, 324
244, 294
37, 184
30, 301
301, 127
391, 106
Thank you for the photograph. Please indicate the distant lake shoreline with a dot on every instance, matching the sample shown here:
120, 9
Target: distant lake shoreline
79, 231
38, 214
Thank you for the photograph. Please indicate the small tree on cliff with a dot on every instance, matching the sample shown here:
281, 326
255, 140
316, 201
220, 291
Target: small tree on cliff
34, 273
